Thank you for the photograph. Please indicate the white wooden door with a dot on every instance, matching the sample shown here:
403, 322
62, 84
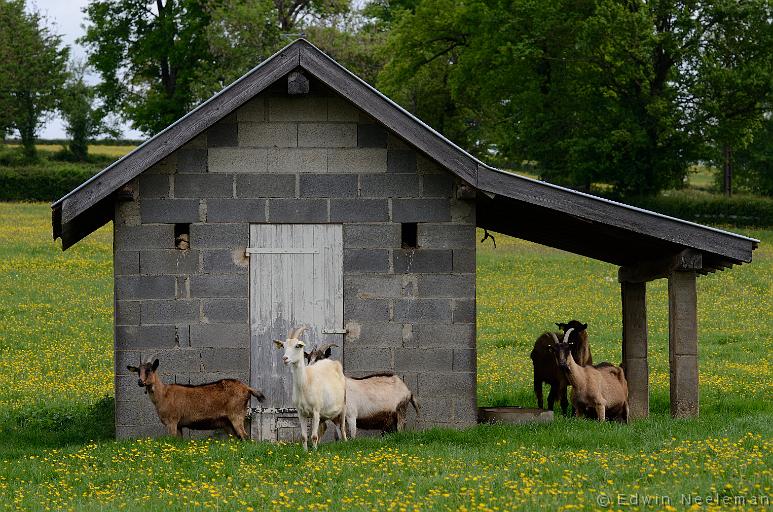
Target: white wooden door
296, 278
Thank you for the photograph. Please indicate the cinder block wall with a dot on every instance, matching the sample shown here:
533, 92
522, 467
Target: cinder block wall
307, 159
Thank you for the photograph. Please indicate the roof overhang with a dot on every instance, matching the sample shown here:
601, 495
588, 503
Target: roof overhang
557, 216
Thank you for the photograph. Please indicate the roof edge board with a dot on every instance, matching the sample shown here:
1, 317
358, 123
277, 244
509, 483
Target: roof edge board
624, 205
215, 108
742, 254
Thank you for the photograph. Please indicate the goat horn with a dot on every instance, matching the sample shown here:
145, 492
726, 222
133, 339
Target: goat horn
298, 332
566, 335
322, 348
555, 338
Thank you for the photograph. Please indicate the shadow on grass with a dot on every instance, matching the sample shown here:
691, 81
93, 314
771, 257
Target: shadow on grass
56, 426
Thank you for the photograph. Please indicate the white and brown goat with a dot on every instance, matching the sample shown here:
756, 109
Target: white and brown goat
221, 404
599, 391
319, 390
546, 369
377, 402
374, 402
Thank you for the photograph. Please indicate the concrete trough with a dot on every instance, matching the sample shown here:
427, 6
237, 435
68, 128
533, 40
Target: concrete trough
513, 415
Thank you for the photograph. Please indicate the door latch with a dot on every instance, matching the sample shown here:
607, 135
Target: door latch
335, 331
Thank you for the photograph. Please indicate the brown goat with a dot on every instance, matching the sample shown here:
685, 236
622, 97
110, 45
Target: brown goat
546, 369
599, 391
221, 404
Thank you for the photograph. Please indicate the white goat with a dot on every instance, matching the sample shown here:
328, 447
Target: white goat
319, 391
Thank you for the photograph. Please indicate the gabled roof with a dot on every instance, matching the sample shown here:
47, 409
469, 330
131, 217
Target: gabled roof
508, 203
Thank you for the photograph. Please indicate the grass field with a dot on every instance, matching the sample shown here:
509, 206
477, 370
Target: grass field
94, 149
57, 451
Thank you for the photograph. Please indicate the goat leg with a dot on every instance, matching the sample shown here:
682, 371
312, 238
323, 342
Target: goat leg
552, 396
315, 429
173, 430
564, 401
601, 412
304, 434
237, 423
342, 417
538, 391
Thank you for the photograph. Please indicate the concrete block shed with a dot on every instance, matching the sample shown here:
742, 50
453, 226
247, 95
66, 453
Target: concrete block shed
301, 195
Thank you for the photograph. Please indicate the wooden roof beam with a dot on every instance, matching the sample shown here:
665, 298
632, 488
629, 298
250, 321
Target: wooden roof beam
687, 259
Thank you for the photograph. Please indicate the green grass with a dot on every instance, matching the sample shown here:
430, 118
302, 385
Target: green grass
57, 451
94, 149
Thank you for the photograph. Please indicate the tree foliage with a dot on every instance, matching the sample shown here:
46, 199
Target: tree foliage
32, 71
733, 78
83, 118
158, 58
592, 91
147, 54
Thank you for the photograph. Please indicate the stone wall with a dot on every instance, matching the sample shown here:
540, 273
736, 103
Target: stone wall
307, 159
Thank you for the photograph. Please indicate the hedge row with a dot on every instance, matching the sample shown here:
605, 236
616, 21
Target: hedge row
42, 184
740, 210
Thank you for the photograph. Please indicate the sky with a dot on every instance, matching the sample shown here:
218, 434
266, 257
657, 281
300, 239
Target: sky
67, 17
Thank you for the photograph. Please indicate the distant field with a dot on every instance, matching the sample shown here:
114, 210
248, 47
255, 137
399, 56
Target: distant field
94, 149
56, 410
702, 177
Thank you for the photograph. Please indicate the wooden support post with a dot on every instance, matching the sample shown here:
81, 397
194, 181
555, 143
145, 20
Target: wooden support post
683, 343
634, 298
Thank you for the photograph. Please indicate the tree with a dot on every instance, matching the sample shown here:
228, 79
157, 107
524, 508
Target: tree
84, 120
32, 71
350, 38
754, 163
243, 33
583, 88
147, 54
157, 59
733, 72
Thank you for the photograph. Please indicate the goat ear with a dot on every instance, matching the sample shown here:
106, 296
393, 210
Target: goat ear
583, 327
133, 369
561, 325
155, 365
278, 344
307, 356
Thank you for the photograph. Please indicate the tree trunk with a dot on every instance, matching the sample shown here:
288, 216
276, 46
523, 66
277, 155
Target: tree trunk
728, 170
27, 131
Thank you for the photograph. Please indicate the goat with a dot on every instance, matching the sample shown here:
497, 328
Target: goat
374, 402
599, 391
546, 370
319, 353
377, 402
221, 404
319, 390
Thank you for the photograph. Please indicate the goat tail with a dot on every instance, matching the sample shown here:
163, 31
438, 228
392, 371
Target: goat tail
257, 394
415, 405
620, 371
